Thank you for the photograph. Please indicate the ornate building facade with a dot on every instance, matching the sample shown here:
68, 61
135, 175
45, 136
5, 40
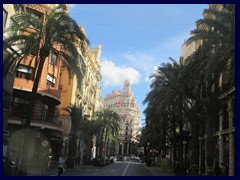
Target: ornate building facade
124, 103
83, 92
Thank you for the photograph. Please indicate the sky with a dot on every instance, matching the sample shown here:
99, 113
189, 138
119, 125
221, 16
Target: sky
135, 39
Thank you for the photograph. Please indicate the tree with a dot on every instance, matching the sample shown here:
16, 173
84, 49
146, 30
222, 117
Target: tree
217, 33
39, 36
169, 94
76, 118
215, 57
106, 122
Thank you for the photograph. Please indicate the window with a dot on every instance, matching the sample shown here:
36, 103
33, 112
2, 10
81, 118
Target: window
53, 58
50, 81
44, 112
20, 106
23, 45
48, 112
25, 72
6, 100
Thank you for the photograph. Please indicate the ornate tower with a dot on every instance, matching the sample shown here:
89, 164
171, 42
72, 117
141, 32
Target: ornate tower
127, 86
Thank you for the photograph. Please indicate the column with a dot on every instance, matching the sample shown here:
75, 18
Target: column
221, 149
231, 155
122, 148
231, 140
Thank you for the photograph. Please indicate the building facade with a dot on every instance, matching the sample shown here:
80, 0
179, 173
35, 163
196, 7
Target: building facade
46, 129
83, 92
124, 103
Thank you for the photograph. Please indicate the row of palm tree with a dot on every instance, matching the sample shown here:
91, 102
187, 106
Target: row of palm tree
104, 127
184, 95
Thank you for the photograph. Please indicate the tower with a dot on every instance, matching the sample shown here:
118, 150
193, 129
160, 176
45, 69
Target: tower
127, 86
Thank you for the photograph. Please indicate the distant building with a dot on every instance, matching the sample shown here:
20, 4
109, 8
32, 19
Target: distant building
124, 103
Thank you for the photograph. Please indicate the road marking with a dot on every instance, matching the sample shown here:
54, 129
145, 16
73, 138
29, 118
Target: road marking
124, 172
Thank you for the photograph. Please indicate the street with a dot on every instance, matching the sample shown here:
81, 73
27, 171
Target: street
130, 167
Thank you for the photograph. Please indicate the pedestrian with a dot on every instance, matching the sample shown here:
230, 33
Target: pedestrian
217, 170
142, 159
177, 169
61, 162
223, 169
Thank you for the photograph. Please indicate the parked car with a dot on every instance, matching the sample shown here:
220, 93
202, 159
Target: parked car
119, 158
113, 159
107, 161
132, 156
9, 167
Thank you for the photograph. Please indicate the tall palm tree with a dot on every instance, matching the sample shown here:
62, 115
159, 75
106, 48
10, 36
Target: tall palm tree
169, 92
216, 55
40, 37
106, 121
217, 32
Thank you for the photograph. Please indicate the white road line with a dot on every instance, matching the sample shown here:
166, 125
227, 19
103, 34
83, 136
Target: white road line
124, 172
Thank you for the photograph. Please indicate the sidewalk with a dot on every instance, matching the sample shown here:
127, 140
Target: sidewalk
157, 171
53, 170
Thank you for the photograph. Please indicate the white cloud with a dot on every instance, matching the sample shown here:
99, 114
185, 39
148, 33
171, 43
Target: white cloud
147, 61
113, 75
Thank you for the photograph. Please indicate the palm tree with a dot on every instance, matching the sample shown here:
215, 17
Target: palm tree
217, 32
169, 92
76, 118
106, 122
216, 55
40, 37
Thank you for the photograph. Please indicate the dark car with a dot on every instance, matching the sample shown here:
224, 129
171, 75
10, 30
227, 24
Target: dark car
120, 158
9, 167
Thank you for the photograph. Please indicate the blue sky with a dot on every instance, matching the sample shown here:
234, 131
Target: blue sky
135, 39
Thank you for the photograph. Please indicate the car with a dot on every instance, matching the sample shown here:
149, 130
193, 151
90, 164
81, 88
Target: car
132, 156
9, 167
119, 158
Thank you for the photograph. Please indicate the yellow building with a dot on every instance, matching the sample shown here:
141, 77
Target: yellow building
85, 93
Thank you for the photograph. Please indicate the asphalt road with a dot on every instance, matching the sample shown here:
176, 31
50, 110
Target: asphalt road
129, 167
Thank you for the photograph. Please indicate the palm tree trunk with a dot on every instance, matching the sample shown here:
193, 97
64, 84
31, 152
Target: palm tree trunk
195, 148
105, 142
44, 52
101, 142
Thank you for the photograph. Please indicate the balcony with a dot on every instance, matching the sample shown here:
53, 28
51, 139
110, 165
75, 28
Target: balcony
55, 125
52, 93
